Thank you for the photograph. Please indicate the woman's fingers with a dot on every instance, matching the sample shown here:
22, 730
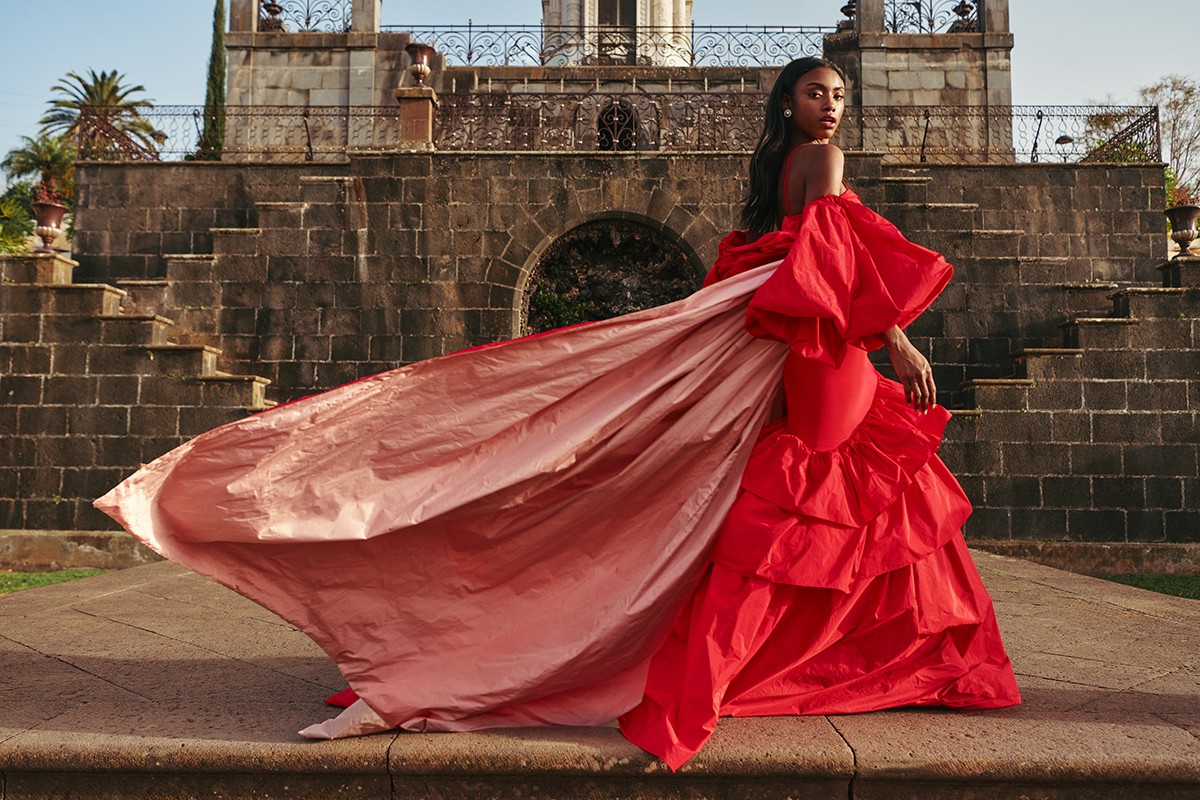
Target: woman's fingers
920, 391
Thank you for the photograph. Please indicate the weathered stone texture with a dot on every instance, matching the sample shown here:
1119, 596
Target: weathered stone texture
317, 275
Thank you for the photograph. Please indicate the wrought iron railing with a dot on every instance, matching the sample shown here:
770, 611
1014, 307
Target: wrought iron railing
972, 134
930, 16
549, 45
639, 121
303, 16
675, 122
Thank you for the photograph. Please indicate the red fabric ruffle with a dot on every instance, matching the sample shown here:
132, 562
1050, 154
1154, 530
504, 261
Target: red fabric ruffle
879, 501
847, 274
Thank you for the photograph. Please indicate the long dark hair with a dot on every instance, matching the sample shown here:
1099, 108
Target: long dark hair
761, 209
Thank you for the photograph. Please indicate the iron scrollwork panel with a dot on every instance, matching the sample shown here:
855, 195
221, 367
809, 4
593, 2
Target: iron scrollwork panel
305, 16
931, 16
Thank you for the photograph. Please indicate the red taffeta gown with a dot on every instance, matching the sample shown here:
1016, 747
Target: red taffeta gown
505, 536
839, 581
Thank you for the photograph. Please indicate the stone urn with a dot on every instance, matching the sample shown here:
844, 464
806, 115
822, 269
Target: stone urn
48, 215
420, 55
1183, 227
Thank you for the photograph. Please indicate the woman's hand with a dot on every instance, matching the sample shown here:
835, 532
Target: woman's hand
912, 369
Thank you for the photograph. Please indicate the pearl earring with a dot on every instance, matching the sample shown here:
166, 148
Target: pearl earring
787, 112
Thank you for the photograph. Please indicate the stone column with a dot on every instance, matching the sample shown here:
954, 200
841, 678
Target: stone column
243, 16
993, 16
869, 18
365, 16
417, 106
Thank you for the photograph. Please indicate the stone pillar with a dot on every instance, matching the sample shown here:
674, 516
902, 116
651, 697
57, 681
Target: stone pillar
993, 16
243, 16
417, 106
365, 16
869, 18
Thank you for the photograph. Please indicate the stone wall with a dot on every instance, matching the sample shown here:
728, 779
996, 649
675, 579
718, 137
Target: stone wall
331, 272
426, 253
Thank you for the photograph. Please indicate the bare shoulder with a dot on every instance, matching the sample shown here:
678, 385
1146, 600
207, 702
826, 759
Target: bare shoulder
811, 158
818, 168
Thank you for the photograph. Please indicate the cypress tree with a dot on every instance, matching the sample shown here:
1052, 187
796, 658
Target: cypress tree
213, 136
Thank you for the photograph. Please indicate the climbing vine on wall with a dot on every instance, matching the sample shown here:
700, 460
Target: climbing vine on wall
604, 269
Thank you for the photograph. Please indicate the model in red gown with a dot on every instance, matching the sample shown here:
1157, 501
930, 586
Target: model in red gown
607, 521
839, 581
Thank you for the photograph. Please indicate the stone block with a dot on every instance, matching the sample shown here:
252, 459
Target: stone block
154, 421
1096, 525
1180, 427
196, 420
1022, 458
1025, 491
1164, 493
1144, 526
49, 420
1160, 459
1038, 523
1173, 364
1067, 491
1118, 493
1067, 426
1181, 526
339, 372
99, 420
1095, 459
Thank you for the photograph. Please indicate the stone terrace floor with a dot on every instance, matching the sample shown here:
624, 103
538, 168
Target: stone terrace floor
153, 683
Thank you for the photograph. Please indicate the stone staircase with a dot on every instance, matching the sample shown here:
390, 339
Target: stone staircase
1094, 439
93, 383
1075, 396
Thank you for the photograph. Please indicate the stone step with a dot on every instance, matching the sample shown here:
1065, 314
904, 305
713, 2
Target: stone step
44, 551
247, 391
1048, 363
1087, 298
1099, 333
180, 265
141, 329
61, 299
923, 216
1153, 302
905, 188
996, 393
323, 188
1181, 272
220, 687
280, 215
39, 268
185, 360
236, 241
144, 296
986, 242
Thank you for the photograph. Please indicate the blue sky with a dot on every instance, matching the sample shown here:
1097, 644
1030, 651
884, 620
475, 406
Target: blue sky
1067, 51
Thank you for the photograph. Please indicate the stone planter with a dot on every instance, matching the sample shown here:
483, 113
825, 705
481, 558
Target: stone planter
420, 56
1183, 227
49, 217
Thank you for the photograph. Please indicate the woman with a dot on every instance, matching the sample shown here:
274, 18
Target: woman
840, 581
507, 535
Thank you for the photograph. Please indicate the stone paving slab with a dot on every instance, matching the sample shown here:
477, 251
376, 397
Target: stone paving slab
153, 682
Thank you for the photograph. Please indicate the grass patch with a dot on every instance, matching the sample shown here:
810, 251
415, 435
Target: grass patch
1178, 585
16, 581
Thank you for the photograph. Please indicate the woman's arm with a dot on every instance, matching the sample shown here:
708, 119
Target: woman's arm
912, 369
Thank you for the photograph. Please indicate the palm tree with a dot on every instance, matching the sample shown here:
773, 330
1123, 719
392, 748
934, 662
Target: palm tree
101, 107
49, 158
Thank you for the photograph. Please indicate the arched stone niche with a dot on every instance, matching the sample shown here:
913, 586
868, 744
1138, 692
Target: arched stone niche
610, 265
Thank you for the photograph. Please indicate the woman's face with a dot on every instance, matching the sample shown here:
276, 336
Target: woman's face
816, 102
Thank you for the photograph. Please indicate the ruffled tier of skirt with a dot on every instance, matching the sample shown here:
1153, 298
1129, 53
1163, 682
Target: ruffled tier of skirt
840, 583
